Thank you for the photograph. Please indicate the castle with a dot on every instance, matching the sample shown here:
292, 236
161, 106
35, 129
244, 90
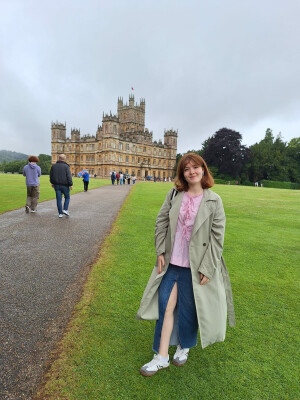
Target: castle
122, 143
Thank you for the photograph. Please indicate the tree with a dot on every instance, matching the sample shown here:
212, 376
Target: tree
225, 152
269, 159
45, 163
293, 154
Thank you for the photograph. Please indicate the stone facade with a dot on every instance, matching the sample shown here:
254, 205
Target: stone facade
122, 143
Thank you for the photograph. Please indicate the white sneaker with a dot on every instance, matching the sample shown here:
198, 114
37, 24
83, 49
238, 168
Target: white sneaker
66, 212
60, 215
33, 211
154, 365
27, 209
180, 356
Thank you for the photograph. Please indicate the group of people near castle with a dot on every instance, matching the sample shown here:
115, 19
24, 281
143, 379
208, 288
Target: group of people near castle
121, 178
189, 288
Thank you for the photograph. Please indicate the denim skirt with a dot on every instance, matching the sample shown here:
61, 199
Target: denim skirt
185, 328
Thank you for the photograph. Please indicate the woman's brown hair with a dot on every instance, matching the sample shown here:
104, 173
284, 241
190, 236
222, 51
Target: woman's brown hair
181, 184
33, 159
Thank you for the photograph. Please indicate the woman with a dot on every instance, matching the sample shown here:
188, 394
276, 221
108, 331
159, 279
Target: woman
189, 286
32, 172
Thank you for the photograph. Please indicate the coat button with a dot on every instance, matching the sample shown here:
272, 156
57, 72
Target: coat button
204, 244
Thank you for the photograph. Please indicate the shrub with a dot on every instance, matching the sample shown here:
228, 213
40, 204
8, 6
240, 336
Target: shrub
280, 185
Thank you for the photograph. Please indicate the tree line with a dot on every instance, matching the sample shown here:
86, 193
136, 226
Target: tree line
271, 159
17, 166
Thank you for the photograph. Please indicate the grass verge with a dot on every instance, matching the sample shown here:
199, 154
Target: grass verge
104, 347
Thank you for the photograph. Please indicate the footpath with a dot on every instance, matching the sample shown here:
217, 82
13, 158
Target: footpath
43, 264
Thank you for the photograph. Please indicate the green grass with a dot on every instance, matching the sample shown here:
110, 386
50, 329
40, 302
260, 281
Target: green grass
104, 347
13, 190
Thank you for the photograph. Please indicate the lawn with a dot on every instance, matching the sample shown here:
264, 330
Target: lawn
13, 190
104, 346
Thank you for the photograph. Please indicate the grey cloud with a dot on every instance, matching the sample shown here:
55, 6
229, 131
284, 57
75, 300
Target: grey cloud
200, 66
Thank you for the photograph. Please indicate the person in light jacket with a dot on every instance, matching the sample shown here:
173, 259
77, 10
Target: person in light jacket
32, 172
189, 287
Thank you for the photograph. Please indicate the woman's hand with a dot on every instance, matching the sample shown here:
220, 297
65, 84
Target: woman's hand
203, 279
160, 263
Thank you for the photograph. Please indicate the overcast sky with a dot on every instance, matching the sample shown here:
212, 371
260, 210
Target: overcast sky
200, 65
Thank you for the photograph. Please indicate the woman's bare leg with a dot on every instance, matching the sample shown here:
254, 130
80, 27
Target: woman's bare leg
168, 323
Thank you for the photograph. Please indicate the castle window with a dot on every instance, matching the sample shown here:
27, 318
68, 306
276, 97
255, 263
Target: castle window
106, 128
114, 157
106, 144
139, 159
127, 158
115, 129
159, 161
159, 152
154, 162
133, 159
144, 149
127, 146
154, 152
121, 146
164, 162
120, 158
105, 158
114, 144
149, 151
165, 153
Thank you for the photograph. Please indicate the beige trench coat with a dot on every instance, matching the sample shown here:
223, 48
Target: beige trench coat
214, 299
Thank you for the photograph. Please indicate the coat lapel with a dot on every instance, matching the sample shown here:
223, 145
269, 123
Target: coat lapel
174, 214
203, 212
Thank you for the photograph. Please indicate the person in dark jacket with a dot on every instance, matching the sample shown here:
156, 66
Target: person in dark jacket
61, 180
32, 172
86, 179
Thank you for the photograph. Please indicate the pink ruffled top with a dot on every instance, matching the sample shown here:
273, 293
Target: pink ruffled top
187, 215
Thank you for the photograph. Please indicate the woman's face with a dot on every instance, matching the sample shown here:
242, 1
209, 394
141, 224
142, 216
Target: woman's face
193, 173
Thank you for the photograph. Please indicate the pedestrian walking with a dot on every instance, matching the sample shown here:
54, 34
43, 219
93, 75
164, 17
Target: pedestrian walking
86, 180
133, 179
118, 178
61, 180
113, 177
189, 286
128, 179
32, 172
121, 178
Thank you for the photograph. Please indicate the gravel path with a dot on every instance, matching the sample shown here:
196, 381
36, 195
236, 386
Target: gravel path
44, 262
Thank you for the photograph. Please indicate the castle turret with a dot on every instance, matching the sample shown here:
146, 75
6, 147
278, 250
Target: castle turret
75, 135
58, 131
120, 103
58, 139
170, 138
131, 100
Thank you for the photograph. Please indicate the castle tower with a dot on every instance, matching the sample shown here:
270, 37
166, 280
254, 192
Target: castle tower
131, 117
110, 125
75, 135
170, 139
58, 131
58, 139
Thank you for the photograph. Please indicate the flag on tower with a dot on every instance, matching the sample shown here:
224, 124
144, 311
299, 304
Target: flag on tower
132, 88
